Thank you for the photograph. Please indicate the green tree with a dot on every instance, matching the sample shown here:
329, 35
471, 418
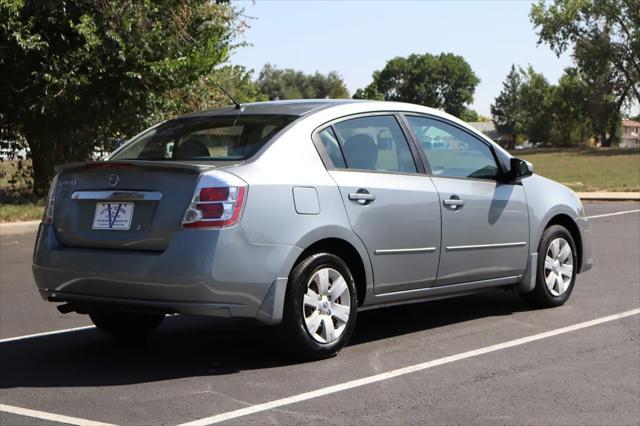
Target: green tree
523, 106
469, 115
506, 108
369, 92
205, 92
282, 84
569, 108
444, 81
75, 72
534, 101
605, 37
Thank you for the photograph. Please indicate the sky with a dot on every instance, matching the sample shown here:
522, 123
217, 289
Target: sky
356, 38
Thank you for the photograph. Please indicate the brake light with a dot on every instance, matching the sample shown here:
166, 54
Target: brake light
217, 201
47, 216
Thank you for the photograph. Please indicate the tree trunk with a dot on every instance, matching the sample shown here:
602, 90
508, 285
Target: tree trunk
43, 162
612, 132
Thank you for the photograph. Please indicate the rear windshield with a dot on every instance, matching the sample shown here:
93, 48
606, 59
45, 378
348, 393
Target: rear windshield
205, 138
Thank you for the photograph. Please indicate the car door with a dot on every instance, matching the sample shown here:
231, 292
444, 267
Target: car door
392, 206
485, 222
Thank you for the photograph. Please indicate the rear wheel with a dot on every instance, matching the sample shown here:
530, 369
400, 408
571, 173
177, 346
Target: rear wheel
557, 268
320, 307
126, 325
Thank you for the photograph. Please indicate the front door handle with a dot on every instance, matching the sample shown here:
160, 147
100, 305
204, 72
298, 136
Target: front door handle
453, 202
362, 196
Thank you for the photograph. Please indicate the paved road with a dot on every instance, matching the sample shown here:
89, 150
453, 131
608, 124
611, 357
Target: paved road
194, 368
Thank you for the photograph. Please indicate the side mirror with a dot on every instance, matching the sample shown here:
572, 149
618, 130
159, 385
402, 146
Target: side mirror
520, 168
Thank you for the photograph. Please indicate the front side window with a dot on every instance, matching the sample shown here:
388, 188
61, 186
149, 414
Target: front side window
375, 143
204, 138
452, 152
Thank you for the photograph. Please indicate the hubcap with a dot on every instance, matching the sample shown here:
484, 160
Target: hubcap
327, 304
558, 266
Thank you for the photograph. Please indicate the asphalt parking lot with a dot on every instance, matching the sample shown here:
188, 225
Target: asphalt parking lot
579, 372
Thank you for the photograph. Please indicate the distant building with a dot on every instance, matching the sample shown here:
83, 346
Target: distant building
489, 129
486, 127
630, 137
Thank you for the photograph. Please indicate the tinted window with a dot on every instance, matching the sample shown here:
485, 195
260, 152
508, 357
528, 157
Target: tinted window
375, 143
332, 147
452, 152
205, 138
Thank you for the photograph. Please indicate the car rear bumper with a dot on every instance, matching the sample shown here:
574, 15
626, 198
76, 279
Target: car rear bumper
202, 272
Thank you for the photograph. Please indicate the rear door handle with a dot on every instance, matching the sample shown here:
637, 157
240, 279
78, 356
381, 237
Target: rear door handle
362, 196
454, 202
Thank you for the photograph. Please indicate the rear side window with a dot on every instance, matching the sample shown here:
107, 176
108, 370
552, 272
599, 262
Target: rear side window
332, 147
375, 143
452, 152
205, 138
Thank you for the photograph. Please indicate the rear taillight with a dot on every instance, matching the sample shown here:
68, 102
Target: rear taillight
217, 201
47, 217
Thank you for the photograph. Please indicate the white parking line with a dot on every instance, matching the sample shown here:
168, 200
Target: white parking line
613, 214
46, 333
401, 371
50, 416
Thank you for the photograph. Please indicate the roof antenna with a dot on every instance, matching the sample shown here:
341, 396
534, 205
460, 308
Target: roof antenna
236, 103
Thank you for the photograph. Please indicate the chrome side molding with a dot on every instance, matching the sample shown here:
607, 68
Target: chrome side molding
407, 250
486, 246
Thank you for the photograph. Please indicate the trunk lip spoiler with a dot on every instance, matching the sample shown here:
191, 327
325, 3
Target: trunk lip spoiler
173, 166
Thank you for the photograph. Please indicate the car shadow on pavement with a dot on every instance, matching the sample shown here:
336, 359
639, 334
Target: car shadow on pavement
188, 347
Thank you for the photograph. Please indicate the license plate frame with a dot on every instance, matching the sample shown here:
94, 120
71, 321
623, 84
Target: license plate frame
113, 216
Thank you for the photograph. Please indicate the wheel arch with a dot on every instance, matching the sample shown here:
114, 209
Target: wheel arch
347, 252
570, 225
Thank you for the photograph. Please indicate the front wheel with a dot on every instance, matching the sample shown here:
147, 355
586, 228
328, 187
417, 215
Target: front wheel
320, 307
557, 268
125, 325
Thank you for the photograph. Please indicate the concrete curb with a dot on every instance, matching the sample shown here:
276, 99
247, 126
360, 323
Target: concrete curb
11, 228
609, 196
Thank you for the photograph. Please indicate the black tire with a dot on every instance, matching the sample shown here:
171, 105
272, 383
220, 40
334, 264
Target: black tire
125, 325
294, 330
541, 296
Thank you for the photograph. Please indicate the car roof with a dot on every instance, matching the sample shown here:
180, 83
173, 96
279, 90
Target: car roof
297, 107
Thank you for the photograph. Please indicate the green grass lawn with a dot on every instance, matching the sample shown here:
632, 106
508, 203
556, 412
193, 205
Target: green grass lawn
20, 212
602, 169
17, 203
20, 205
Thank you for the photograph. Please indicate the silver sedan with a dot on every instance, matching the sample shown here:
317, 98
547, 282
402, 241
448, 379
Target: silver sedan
301, 214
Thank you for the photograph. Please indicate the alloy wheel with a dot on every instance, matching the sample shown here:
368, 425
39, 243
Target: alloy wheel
327, 305
558, 266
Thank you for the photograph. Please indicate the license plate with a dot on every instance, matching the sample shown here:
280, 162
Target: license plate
113, 216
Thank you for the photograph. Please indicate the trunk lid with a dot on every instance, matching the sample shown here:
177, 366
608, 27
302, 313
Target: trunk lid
124, 205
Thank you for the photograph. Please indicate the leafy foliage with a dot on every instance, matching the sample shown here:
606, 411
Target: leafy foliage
444, 81
569, 107
282, 84
529, 105
370, 92
534, 101
605, 37
469, 115
506, 108
205, 92
75, 72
